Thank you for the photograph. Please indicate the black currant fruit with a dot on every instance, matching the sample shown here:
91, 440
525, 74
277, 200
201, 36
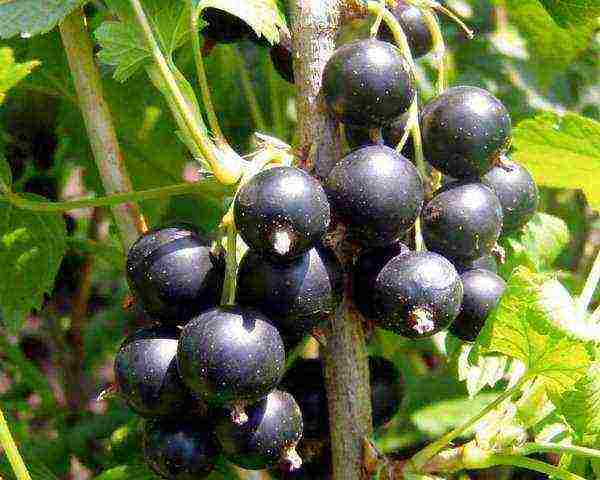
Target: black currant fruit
413, 23
416, 295
386, 390
281, 56
282, 212
462, 221
231, 356
269, 437
180, 449
377, 192
146, 373
224, 27
174, 274
306, 383
465, 131
487, 262
517, 192
368, 83
482, 293
298, 296
366, 270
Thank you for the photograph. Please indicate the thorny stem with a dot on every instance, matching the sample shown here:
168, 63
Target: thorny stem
12, 452
227, 169
589, 288
255, 110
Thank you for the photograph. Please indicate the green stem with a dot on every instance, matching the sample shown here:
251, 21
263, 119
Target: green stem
277, 111
213, 121
12, 452
227, 169
420, 161
590, 287
255, 110
108, 200
439, 47
535, 465
545, 447
228, 296
422, 457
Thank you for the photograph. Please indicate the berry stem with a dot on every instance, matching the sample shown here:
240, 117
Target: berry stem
588, 290
545, 447
99, 124
12, 452
228, 296
446, 11
420, 161
531, 464
439, 47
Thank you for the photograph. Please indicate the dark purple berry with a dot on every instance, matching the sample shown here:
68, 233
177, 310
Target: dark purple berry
377, 192
482, 293
224, 27
270, 435
231, 356
282, 212
386, 390
181, 449
517, 192
413, 23
174, 274
281, 56
146, 373
298, 296
368, 83
462, 221
465, 131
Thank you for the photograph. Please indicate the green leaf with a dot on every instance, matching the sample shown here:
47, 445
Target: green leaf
32, 17
12, 72
568, 12
521, 328
32, 246
126, 472
480, 371
561, 152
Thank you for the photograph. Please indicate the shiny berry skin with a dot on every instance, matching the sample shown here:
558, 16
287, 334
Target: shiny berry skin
269, 437
224, 27
298, 296
412, 22
386, 390
174, 274
231, 356
416, 295
282, 212
368, 83
377, 192
482, 293
487, 262
462, 221
465, 131
146, 373
517, 192
182, 449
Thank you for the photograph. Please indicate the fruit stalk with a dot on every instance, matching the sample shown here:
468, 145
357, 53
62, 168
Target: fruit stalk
314, 25
12, 453
99, 124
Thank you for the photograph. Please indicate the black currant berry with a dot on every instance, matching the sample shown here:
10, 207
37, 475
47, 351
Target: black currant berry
368, 83
298, 296
482, 293
224, 27
231, 356
366, 270
146, 373
174, 274
282, 212
180, 449
281, 56
377, 192
465, 131
462, 221
413, 23
306, 383
416, 294
270, 435
487, 262
517, 192
386, 390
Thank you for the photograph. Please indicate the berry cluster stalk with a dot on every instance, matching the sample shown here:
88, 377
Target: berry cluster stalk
314, 25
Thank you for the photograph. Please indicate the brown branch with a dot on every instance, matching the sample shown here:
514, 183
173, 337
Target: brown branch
99, 124
315, 23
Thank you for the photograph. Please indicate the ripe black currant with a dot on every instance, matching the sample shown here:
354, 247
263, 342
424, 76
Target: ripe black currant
377, 192
416, 295
465, 130
224, 27
482, 292
146, 373
298, 296
368, 83
487, 262
517, 192
412, 22
386, 390
282, 212
270, 435
462, 221
181, 449
231, 356
174, 274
